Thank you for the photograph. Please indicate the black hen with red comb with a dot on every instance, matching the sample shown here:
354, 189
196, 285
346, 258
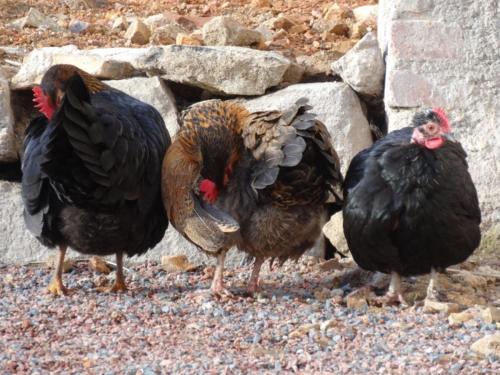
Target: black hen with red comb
411, 207
91, 170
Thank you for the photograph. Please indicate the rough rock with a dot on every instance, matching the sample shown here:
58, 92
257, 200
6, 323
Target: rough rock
18, 246
329, 324
330, 265
337, 12
138, 32
120, 23
8, 151
152, 91
446, 53
334, 230
166, 34
35, 18
281, 22
431, 306
16, 243
106, 63
298, 29
261, 3
227, 70
491, 315
77, 26
266, 33
304, 329
335, 104
321, 26
468, 278
53, 260
83, 4
456, 319
360, 29
489, 344
175, 263
99, 265
322, 294
340, 28
366, 13
187, 40
225, 31
357, 299
293, 74
317, 63
160, 20
363, 67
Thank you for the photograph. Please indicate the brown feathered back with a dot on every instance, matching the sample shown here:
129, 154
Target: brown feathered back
298, 163
294, 164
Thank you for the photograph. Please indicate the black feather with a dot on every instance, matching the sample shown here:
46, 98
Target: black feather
405, 208
91, 175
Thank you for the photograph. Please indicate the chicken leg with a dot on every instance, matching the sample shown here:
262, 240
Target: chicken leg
432, 288
56, 286
119, 285
394, 294
253, 283
218, 288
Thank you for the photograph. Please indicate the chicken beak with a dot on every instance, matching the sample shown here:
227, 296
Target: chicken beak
450, 137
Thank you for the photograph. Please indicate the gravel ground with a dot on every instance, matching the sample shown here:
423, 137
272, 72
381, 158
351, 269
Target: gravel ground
168, 323
100, 19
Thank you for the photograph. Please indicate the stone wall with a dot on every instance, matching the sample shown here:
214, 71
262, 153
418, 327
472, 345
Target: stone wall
447, 53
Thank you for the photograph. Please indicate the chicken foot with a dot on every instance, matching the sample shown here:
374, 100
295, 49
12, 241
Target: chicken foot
56, 286
433, 292
217, 287
119, 284
253, 283
394, 295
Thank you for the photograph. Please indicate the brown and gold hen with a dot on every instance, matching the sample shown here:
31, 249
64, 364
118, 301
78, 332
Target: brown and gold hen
265, 182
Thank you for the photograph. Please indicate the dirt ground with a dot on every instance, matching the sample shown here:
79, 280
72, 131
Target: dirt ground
248, 13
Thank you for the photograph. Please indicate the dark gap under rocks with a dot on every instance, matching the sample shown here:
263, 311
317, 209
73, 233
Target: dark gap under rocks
10, 171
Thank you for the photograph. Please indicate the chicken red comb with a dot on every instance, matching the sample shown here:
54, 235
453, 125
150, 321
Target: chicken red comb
42, 102
443, 119
209, 190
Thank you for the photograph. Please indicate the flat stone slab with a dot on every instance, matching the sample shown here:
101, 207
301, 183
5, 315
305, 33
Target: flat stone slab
219, 69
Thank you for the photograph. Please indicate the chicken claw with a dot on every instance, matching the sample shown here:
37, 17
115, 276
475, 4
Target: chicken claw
217, 287
221, 292
56, 288
394, 295
391, 299
119, 286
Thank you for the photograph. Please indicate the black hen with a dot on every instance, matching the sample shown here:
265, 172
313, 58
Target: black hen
91, 170
411, 207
